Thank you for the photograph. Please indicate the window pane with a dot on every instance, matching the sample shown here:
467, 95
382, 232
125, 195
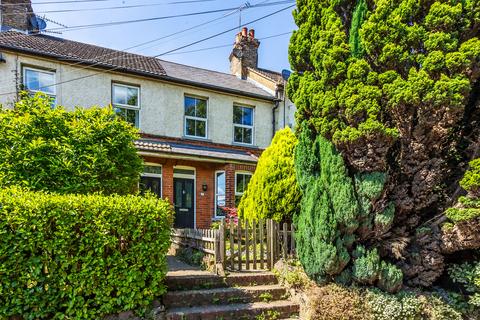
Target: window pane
131, 116
40, 81
132, 96
220, 183
247, 135
200, 128
188, 194
237, 114
247, 178
201, 108
189, 106
152, 169
238, 134
240, 184
119, 95
178, 194
247, 116
190, 127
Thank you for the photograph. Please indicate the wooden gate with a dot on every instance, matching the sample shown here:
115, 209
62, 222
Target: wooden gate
242, 245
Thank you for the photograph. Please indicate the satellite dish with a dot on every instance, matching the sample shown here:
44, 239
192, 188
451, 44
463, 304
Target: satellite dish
37, 23
286, 74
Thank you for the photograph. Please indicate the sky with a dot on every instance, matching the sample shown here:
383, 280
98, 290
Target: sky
273, 52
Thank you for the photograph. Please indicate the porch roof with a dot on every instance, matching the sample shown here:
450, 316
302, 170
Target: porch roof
183, 150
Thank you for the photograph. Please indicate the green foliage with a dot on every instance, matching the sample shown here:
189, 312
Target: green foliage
80, 256
357, 20
50, 149
384, 220
366, 267
273, 192
471, 180
468, 207
369, 187
468, 274
369, 269
329, 209
408, 306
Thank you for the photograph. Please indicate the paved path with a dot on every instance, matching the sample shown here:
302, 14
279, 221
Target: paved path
178, 268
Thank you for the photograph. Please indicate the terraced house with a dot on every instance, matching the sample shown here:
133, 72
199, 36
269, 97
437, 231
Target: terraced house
202, 131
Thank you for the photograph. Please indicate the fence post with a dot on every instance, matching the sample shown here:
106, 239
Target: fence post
272, 243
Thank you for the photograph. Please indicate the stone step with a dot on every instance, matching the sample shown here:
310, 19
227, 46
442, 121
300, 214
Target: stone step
221, 296
209, 281
269, 310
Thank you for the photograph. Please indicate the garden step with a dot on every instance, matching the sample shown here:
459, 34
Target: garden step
274, 310
222, 296
209, 281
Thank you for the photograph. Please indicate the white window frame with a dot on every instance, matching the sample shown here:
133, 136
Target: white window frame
54, 86
127, 106
185, 117
153, 175
216, 190
248, 173
245, 126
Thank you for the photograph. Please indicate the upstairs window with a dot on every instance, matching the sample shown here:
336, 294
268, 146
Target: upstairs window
241, 183
126, 102
195, 117
35, 80
243, 124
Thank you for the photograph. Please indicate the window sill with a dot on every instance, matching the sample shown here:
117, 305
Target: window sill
196, 138
245, 145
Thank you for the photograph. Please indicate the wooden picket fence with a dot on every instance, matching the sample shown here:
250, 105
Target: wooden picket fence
245, 245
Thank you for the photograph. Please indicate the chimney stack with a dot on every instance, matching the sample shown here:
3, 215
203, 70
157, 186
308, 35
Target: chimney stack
15, 14
244, 53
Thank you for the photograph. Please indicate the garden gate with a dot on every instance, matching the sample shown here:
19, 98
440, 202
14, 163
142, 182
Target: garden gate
241, 245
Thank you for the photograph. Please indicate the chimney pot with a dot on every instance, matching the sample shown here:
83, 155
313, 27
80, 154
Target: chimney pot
244, 31
251, 33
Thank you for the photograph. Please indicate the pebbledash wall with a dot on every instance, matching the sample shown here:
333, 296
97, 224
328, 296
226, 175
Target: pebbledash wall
161, 102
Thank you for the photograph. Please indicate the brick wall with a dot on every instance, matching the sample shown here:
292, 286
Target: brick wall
16, 13
205, 173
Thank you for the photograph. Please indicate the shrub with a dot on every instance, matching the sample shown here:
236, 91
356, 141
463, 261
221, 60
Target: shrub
329, 210
50, 149
80, 256
273, 192
468, 274
471, 180
334, 302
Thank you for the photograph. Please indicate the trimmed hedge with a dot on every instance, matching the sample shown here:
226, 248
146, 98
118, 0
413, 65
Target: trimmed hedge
80, 256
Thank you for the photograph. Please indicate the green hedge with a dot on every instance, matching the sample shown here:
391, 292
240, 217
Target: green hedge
80, 151
80, 256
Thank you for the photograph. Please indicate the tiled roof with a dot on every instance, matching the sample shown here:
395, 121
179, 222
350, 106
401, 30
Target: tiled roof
209, 77
272, 75
73, 52
194, 150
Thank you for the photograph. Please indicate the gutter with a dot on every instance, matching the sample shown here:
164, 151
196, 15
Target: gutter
167, 78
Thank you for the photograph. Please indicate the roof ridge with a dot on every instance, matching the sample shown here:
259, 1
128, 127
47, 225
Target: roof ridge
199, 68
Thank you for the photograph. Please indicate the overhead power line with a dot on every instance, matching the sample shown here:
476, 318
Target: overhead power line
118, 67
109, 8
225, 45
107, 24
223, 32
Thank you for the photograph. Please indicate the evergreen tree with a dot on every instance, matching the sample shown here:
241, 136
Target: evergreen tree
394, 87
273, 191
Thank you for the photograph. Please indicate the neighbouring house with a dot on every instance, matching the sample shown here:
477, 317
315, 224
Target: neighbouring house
201, 130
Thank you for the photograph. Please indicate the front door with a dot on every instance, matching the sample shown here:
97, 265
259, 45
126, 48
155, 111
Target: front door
183, 198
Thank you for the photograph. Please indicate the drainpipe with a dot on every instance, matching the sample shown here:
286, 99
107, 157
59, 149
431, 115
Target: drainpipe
273, 116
